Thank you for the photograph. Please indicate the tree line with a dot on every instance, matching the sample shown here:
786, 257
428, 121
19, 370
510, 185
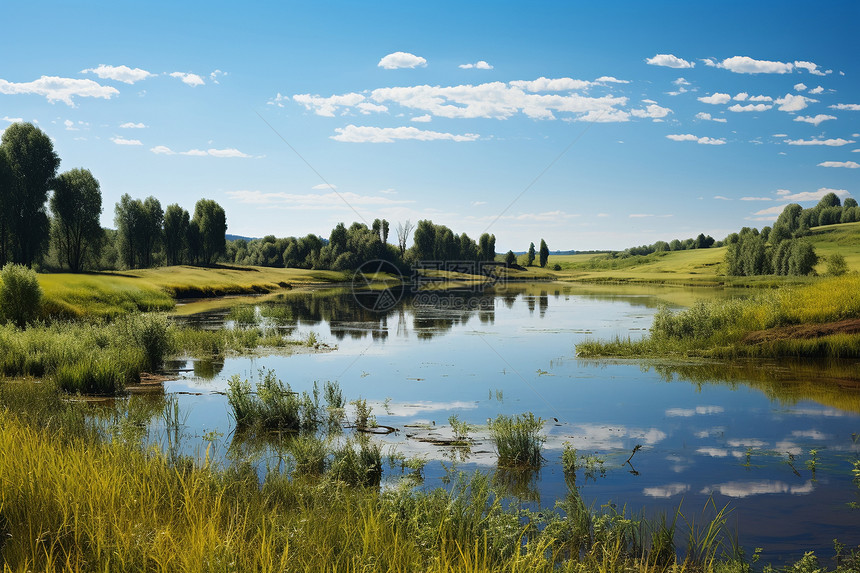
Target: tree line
64, 230
783, 249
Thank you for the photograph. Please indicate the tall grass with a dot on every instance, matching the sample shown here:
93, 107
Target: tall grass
518, 440
718, 328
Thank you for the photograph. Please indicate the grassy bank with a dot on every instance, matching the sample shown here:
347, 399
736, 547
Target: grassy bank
73, 498
110, 294
813, 320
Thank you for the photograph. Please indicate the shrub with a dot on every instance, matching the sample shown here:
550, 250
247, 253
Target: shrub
836, 265
20, 294
518, 440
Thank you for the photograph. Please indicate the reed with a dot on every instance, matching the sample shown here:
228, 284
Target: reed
518, 440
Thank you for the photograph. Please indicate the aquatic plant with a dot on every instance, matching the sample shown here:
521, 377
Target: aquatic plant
518, 439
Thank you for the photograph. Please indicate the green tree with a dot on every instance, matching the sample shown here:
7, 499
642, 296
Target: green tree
531, 258
544, 253
138, 229
76, 205
20, 294
510, 259
176, 221
5, 197
790, 218
211, 220
32, 165
829, 200
836, 265
849, 202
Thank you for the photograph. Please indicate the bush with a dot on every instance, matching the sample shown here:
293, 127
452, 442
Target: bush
20, 294
836, 265
518, 440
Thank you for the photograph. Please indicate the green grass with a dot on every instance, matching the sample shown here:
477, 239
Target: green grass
518, 440
717, 328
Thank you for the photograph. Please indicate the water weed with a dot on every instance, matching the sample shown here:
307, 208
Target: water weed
518, 440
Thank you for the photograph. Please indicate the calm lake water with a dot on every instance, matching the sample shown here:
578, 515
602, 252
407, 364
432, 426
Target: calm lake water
739, 434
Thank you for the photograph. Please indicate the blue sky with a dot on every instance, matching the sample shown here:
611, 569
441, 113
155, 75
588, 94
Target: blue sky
591, 126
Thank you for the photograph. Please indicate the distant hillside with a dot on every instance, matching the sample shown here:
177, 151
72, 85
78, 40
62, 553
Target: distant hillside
230, 237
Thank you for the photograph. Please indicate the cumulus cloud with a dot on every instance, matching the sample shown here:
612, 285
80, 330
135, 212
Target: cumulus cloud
814, 120
786, 195
838, 142
741, 96
479, 65
653, 111
756, 199
215, 75
848, 164
398, 60
368, 134
708, 117
715, 99
816, 90
230, 152
721, 198
697, 139
811, 68
55, 89
610, 80
123, 74
799, 87
323, 187
847, 106
124, 141
367, 108
551, 85
750, 107
669, 61
192, 80
794, 102
328, 106
131, 125
11, 119
422, 118
747, 65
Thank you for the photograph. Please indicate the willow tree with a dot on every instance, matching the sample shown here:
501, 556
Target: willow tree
76, 205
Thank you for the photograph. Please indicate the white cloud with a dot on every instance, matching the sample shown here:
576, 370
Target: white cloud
747, 65
70, 125
707, 116
12, 119
721, 198
368, 134
761, 98
123, 74
130, 125
215, 75
697, 139
848, 106
610, 80
817, 90
770, 212
479, 65
327, 106
666, 491
324, 187
811, 68
698, 410
331, 200
478, 203
388, 191
681, 82
230, 152
278, 100
551, 85
848, 164
715, 99
839, 142
124, 141
367, 108
653, 111
799, 87
750, 107
669, 61
422, 118
756, 199
794, 102
814, 120
59, 89
401, 60
192, 80
742, 489
786, 195
741, 96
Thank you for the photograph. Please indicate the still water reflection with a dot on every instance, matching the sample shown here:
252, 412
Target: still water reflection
775, 440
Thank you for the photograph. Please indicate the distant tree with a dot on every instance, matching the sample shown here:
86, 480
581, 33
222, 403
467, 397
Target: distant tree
76, 205
5, 199
675, 245
836, 265
403, 232
510, 259
128, 218
660, 246
531, 258
32, 164
176, 221
849, 202
544, 253
194, 242
790, 218
829, 200
211, 221
803, 258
